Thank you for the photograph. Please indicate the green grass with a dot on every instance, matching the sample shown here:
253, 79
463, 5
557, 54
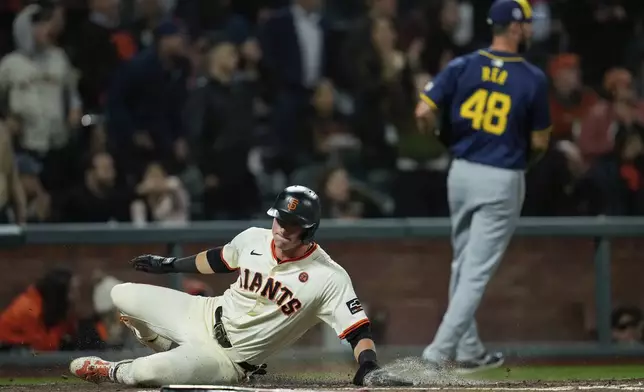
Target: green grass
561, 373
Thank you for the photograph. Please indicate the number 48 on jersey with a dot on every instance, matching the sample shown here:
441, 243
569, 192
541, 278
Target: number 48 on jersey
488, 111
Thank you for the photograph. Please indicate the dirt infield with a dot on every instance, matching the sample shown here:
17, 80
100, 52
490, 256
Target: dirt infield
285, 385
306, 378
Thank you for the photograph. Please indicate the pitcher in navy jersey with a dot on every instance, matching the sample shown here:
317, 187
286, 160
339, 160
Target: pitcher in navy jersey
494, 118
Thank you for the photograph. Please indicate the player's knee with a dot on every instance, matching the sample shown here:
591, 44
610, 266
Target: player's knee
121, 294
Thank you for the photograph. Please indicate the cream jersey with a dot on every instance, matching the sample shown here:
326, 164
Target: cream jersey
274, 302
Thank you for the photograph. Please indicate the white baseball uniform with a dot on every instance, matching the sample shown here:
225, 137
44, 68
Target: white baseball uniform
270, 305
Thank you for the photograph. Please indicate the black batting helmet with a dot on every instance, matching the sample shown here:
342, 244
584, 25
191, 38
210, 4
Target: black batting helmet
300, 205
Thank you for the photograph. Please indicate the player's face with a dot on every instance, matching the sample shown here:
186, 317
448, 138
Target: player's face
286, 235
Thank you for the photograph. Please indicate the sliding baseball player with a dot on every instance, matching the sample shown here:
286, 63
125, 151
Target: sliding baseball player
286, 284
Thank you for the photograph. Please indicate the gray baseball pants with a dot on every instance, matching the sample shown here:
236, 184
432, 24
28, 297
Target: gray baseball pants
485, 205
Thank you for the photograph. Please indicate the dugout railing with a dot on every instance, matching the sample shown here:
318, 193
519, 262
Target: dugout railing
601, 229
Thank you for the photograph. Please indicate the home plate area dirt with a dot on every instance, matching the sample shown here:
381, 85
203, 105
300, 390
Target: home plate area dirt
316, 378
299, 386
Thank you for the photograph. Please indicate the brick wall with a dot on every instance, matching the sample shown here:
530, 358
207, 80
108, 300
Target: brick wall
542, 291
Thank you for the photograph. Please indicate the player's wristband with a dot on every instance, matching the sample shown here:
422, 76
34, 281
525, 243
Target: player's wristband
367, 355
186, 265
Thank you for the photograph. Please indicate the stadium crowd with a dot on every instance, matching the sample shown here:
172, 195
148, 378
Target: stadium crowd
176, 110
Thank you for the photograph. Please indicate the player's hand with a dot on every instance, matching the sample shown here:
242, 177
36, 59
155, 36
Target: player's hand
371, 375
362, 372
422, 110
153, 264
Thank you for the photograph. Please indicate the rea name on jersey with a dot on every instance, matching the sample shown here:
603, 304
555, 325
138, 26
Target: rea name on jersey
273, 302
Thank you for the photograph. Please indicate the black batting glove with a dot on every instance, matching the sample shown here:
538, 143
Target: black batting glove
153, 264
364, 369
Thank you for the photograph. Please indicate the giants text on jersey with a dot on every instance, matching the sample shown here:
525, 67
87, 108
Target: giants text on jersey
274, 302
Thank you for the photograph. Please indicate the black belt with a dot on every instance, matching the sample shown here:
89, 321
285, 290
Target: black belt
222, 339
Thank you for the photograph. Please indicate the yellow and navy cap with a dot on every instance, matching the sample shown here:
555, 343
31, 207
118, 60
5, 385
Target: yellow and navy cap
504, 12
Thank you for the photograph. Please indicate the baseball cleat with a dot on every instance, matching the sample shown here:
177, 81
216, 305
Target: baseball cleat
486, 361
92, 369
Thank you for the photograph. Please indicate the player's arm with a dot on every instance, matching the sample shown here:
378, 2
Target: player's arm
342, 310
219, 260
436, 94
541, 125
364, 351
207, 262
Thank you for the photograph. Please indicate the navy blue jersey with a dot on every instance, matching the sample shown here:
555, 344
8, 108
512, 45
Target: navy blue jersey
491, 102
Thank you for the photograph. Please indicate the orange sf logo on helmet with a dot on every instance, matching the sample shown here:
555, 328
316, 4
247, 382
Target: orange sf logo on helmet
292, 204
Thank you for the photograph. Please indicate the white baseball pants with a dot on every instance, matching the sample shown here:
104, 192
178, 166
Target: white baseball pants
180, 318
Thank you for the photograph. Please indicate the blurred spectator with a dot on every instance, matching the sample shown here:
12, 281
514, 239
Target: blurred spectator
277, 100
551, 184
550, 181
440, 48
97, 50
252, 70
621, 110
570, 100
615, 182
203, 16
88, 140
358, 35
326, 134
145, 103
382, 9
419, 187
92, 138
384, 96
217, 118
162, 198
251, 55
97, 199
341, 201
604, 25
107, 324
360, 31
626, 325
42, 317
12, 196
36, 78
416, 149
57, 22
38, 199
150, 13
295, 45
